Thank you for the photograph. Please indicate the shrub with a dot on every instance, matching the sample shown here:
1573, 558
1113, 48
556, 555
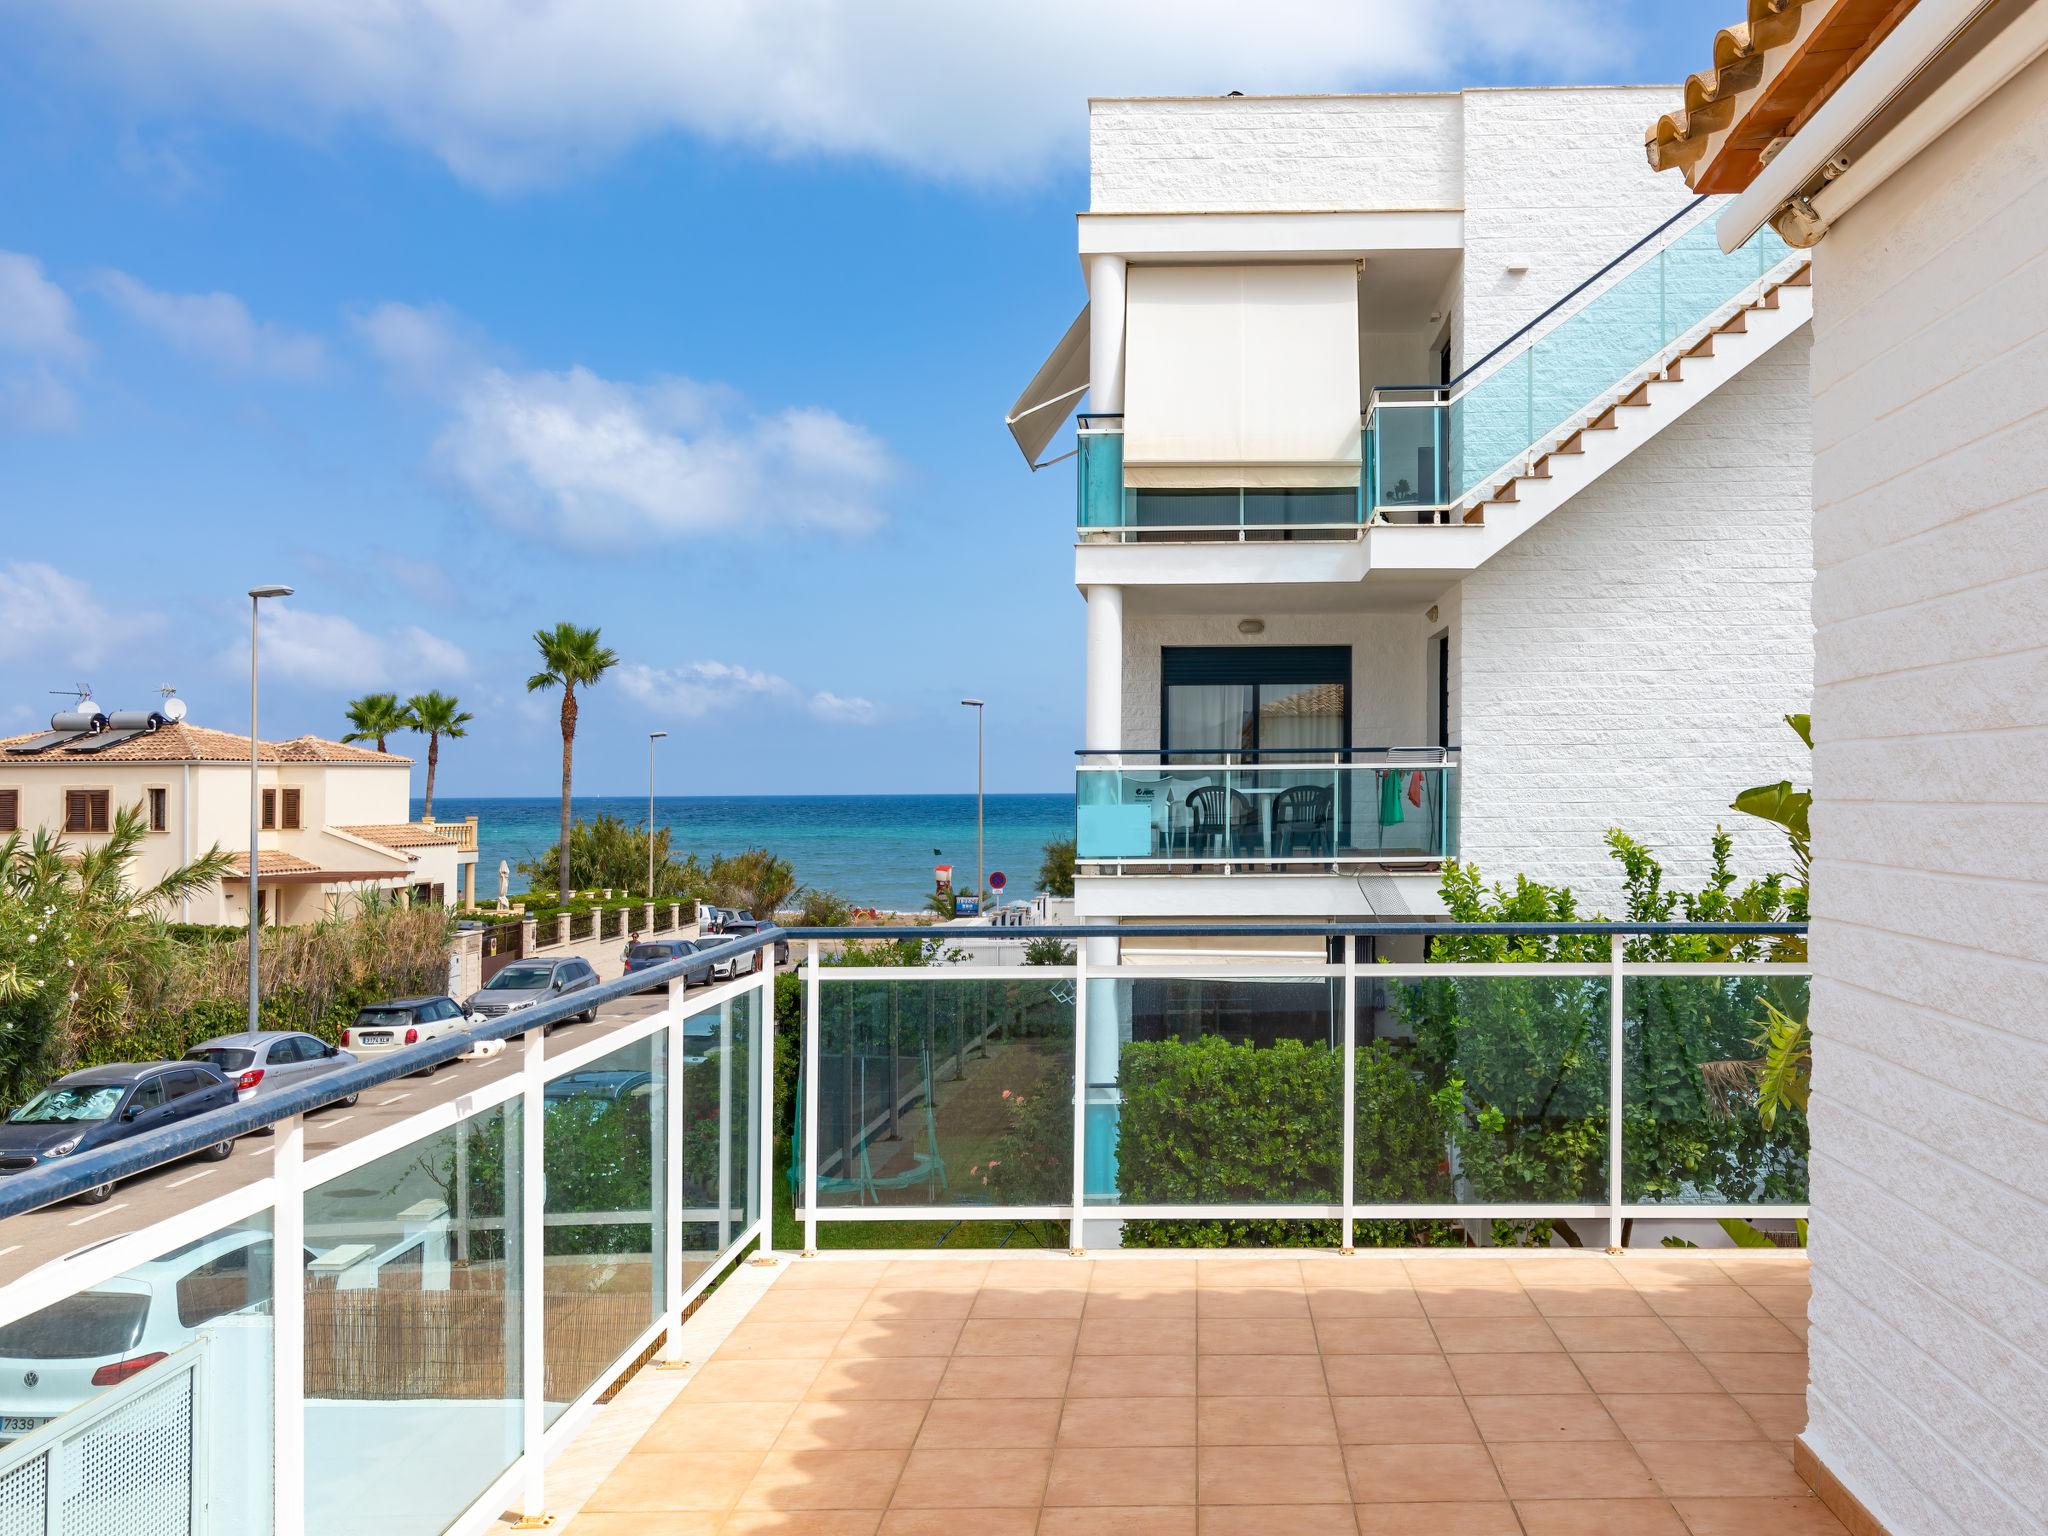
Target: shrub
1048, 951
1217, 1122
821, 909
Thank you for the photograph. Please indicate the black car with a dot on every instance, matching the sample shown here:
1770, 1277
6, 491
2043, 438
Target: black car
87, 1110
741, 930
652, 952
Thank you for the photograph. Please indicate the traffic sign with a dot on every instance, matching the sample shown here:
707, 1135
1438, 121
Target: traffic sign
997, 880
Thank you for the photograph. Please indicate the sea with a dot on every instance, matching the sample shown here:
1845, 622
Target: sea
870, 850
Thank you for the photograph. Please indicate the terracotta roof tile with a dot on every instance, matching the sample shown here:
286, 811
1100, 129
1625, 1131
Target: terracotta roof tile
186, 743
403, 834
1771, 71
271, 861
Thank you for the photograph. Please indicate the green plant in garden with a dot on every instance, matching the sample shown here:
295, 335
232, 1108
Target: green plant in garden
77, 941
1056, 868
1048, 951
375, 716
435, 715
571, 658
1784, 1077
755, 881
822, 909
1216, 1121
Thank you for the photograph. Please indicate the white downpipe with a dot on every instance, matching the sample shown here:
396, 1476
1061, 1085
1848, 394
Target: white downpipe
288, 1328
1924, 32
1106, 335
1104, 716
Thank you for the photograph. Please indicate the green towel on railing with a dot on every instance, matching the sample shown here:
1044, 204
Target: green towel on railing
1390, 800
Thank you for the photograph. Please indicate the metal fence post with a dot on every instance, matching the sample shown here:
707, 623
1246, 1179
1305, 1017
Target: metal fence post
288, 1328
532, 1276
760, 1092
1617, 948
1079, 1191
811, 1065
1350, 990
672, 1182
725, 1119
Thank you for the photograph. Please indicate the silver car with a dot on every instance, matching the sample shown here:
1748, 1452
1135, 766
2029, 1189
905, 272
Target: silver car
260, 1062
524, 983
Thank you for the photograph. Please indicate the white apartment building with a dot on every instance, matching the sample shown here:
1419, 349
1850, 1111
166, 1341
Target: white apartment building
335, 818
1443, 492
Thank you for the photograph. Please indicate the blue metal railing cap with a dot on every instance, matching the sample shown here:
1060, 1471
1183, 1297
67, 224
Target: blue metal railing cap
65, 1178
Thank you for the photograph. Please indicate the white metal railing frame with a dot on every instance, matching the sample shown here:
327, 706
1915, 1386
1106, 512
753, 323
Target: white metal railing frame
1338, 762
1617, 970
1398, 397
53, 1442
282, 1194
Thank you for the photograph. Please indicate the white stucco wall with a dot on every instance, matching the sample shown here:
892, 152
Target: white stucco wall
1929, 1342
1626, 662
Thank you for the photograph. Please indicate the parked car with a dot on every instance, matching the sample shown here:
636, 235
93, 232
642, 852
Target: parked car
266, 1061
652, 952
753, 962
721, 919
54, 1360
526, 982
383, 1028
598, 1084
94, 1108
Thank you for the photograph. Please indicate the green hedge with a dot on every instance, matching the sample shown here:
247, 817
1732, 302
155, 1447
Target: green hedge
1218, 1122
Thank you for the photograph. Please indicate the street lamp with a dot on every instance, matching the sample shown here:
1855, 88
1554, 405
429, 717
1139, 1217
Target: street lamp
980, 875
256, 596
652, 738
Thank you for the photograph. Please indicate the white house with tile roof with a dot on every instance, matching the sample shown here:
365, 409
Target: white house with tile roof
334, 816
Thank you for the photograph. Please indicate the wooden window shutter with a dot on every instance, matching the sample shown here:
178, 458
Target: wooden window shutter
159, 810
269, 810
10, 810
102, 806
292, 799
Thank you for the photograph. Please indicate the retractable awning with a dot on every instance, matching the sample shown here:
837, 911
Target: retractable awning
1061, 380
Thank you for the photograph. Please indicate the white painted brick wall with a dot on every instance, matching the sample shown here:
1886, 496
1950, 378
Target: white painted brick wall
1556, 179
1930, 1006
1626, 662
1263, 153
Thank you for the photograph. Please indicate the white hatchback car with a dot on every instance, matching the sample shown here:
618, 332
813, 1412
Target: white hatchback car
383, 1028
53, 1360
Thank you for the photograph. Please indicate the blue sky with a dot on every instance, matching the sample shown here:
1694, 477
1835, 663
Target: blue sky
694, 322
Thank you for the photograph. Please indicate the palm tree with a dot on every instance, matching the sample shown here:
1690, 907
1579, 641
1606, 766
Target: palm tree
435, 715
376, 716
570, 658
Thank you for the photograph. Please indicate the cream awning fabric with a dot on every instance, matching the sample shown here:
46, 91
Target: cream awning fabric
1244, 366
1049, 399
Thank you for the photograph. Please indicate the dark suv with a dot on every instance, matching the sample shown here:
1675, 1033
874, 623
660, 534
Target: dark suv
749, 927
89, 1109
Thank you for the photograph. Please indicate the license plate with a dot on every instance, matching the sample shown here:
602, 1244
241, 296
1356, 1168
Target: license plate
378, 1039
18, 1426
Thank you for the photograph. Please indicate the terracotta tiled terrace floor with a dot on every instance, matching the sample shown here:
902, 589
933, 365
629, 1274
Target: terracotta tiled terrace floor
1371, 1396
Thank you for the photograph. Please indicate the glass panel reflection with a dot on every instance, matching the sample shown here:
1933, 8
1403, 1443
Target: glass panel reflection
413, 1331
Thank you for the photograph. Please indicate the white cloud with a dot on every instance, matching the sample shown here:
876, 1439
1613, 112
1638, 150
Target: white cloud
699, 688
596, 463
332, 650
218, 328
39, 339
510, 92
48, 615
37, 319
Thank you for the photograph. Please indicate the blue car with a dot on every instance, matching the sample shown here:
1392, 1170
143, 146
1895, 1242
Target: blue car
100, 1105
